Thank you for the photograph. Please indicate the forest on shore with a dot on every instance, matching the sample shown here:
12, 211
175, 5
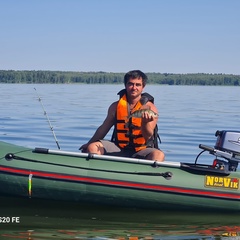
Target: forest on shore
57, 77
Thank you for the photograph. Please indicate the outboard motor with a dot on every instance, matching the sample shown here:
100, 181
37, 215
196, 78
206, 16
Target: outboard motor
227, 147
228, 141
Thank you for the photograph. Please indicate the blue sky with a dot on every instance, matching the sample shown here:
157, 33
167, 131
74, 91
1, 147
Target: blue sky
166, 36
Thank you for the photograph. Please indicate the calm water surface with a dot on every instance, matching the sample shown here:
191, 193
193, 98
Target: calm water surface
189, 115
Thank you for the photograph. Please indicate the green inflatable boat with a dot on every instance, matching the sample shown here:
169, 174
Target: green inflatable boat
127, 182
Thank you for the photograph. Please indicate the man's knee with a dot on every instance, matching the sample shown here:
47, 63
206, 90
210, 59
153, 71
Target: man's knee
95, 147
157, 155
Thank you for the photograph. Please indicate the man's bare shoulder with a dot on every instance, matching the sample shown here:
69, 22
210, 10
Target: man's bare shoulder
113, 106
112, 109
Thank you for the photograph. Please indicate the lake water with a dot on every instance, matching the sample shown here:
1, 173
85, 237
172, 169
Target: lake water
189, 115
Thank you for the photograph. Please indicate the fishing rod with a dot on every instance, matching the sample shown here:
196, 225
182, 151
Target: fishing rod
45, 113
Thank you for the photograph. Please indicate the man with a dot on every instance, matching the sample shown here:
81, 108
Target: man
133, 134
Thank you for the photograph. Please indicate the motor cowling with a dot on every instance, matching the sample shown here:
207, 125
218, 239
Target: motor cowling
228, 141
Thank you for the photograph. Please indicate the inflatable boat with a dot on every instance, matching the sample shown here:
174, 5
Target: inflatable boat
127, 182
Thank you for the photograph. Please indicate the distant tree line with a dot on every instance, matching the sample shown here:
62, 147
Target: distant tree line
54, 77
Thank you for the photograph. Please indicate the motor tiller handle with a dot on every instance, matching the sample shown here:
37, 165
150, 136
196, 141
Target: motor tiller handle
204, 147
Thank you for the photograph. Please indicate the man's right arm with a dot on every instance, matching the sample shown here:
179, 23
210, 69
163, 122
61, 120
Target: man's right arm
102, 130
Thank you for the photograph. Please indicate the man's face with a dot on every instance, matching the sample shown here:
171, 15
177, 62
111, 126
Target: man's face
134, 87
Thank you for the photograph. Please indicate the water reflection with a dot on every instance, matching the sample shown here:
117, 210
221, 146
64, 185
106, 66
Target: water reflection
135, 234
53, 220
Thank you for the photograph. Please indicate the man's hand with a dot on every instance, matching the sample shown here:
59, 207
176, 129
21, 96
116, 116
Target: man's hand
83, 148
146, 117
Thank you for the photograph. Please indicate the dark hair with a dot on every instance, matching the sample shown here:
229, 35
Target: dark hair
135, 74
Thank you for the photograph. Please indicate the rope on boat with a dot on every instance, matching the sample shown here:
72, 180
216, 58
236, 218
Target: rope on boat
166, 175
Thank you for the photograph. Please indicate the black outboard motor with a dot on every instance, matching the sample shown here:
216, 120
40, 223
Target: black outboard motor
227, 147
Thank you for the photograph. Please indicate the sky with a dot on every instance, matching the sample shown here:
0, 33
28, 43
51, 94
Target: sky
164, 36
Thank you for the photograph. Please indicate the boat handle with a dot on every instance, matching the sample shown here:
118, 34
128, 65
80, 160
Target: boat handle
204, 147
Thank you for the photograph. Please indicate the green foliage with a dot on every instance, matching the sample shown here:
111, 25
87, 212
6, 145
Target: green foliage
54, 77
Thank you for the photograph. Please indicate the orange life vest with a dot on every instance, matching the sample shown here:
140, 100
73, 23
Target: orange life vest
128, 131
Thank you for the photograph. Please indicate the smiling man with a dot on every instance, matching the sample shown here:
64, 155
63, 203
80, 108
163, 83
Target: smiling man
134, 118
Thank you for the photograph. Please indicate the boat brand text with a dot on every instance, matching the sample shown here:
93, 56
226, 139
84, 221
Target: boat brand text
222, 182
